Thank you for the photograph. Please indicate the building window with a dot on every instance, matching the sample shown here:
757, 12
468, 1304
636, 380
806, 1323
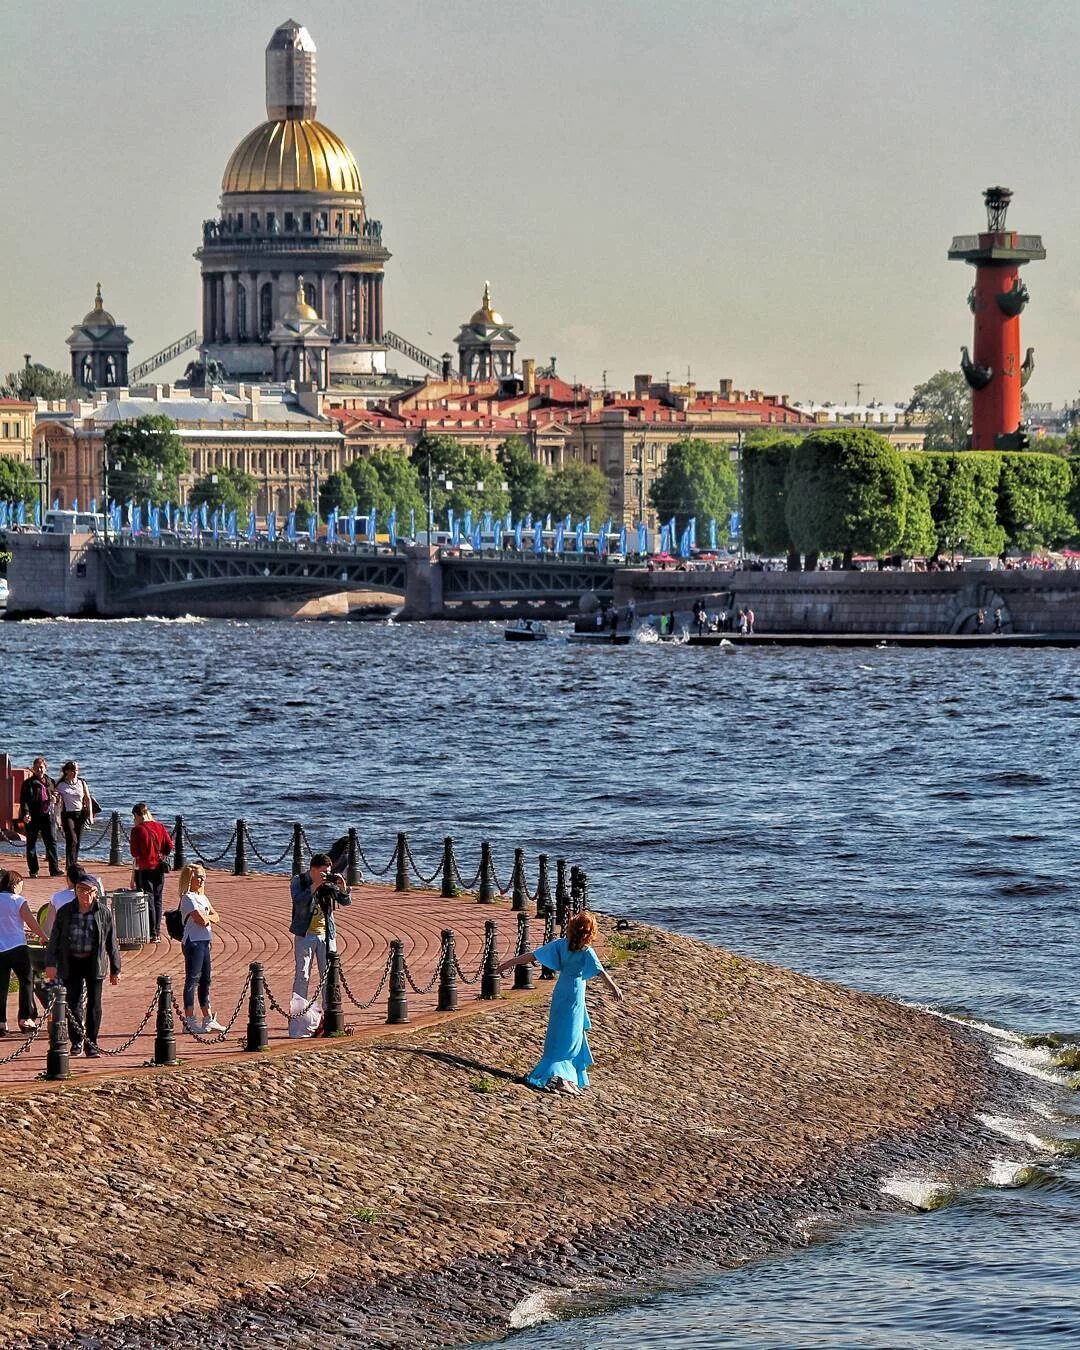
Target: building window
271, 222
311, 296
339, 223
290, 221
254, 222
307, 222
240, 220
7, 431
266, 308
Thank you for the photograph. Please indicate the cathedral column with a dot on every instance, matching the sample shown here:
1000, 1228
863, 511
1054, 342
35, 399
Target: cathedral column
207, 330
378, 308
339, 289
228, 307
365, 307
320, 293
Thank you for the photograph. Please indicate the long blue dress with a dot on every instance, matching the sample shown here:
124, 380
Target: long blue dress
566, 1048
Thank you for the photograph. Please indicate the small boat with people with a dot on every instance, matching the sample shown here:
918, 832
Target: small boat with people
525, 630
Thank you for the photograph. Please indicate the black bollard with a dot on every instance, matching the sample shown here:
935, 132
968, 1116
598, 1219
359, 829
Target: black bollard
333, 1013
114, 839
447, 975
57, 1060
164, 1034
562, 895
491, 983
486, 894
240, 862
543, 887
352, 874
397, 1008
520, 891
401, 882
258, 1037
449, 885
523, 975
178, 845
549, 936
297, 848
583, 888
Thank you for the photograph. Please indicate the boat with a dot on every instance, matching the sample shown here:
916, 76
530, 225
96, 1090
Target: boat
3, 593
600, 637
525, 630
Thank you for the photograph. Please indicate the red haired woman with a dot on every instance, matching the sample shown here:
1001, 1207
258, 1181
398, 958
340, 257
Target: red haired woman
563, 1065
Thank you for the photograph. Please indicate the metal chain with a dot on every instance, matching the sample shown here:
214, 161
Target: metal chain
468, 885
376, 871
363, 1007
217, 1037
119, 1050
483, 961
498, 884
209, 862
307, 1007
266, 862
424, 881
305, 842
434, 979
31, 1036
93, 843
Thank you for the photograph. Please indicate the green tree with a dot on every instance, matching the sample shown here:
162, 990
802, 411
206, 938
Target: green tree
766, 458
234, 490
920, 534
400, 484
946, 400
962, 490
697, 480
1033, 500
146, 458
17, 481
336, 490
37, 381
578, 490
477, 480
524, 477
304, 509
846, 493
367, 487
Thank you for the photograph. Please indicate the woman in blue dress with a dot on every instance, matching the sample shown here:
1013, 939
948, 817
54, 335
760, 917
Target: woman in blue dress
564, 1064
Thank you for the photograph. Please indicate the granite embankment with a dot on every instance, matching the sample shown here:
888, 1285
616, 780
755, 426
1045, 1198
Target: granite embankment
410, 1191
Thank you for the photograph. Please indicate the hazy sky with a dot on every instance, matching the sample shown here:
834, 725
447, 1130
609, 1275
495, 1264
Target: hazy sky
763, 190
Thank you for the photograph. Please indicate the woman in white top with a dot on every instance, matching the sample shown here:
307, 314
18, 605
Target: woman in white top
76, 808
198, 914
14, 953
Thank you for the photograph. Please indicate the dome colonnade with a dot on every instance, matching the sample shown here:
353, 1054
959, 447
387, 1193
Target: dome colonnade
292, 205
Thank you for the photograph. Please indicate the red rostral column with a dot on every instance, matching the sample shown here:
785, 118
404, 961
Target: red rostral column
995, 372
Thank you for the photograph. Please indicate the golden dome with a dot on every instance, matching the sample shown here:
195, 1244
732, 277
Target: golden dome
292, 155
99, 316
301, 310
485, 314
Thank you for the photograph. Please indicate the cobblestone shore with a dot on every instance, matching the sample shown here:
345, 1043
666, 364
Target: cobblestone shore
410, 1191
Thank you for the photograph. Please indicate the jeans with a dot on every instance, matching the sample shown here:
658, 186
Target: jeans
196, 973
43, 826
304, 948
73, 822
152, 881
17, 960
82, 973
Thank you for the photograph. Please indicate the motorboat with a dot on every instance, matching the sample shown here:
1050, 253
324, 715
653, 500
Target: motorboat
525, 630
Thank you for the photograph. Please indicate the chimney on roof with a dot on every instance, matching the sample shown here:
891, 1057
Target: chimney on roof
528, 375
725, 390
642, 384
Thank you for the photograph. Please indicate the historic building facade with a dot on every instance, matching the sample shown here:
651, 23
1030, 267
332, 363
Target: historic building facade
292, 214
99, 349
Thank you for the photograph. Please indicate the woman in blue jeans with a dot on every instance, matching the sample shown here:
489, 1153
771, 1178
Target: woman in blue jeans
199, 915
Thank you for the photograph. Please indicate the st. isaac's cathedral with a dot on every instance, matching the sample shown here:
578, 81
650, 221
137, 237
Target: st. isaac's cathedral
292, 266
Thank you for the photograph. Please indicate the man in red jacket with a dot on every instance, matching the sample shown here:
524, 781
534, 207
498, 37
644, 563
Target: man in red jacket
150, 843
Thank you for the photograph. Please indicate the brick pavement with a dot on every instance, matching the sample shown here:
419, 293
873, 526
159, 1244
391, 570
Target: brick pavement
254, 926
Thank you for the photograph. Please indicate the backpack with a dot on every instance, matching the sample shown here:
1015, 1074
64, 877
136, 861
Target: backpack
174, 924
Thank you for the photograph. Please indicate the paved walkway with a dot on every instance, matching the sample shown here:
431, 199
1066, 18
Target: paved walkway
254, 926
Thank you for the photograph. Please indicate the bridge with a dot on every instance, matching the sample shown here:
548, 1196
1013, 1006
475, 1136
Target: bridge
80, 574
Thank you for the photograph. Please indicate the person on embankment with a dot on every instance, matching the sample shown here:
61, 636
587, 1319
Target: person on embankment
564, 1064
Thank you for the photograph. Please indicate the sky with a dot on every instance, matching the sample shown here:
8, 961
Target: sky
763, 191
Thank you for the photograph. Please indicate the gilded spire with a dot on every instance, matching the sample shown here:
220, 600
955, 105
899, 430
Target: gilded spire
485, 314
99, 304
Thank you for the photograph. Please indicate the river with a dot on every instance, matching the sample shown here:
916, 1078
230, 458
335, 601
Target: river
902, 821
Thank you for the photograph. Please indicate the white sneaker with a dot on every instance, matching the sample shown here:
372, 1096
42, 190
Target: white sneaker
212, 1024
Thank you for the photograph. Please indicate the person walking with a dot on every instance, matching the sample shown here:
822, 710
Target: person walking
76, 808
566, 1056
997, 628
199, 916
82, 948
312, 925
15, 917
35, 813
150, 844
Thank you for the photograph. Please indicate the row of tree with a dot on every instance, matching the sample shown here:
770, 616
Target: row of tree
848, 491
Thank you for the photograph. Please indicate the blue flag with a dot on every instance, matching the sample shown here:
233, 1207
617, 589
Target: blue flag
331, 526
684, 543
735, 524
487, 522
623, 541
187, 516
56, 504
693, 531
560, 538
271, 526
538, 538
3, 515
313, 527
508, 521
93, 505
37, 513
251, 525
467, 523
155, 523
412, 522
350, 527
372, 528
455, 534
579, 538
450, 519
712, 532
478, 540
517, 536
75, 503
204, 519
665, 539
601, 540
290, 527
391, 527
568, 522
528, 520
215, 526
588, 524
497, 534
673, 533
642, 539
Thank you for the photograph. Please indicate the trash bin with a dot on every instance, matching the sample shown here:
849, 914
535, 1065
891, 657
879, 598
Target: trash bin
131, 914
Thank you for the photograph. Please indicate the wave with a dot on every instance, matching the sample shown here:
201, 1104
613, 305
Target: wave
1016, 1130
1008, 1174
543, 1305
1016, 778
922, 1193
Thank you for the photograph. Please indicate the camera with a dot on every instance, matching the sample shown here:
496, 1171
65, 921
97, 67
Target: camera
331, 891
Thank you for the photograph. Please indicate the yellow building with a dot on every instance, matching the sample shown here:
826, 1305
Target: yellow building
17, 428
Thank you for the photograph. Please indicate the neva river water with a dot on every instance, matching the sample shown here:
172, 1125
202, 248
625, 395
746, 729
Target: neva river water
903, 821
